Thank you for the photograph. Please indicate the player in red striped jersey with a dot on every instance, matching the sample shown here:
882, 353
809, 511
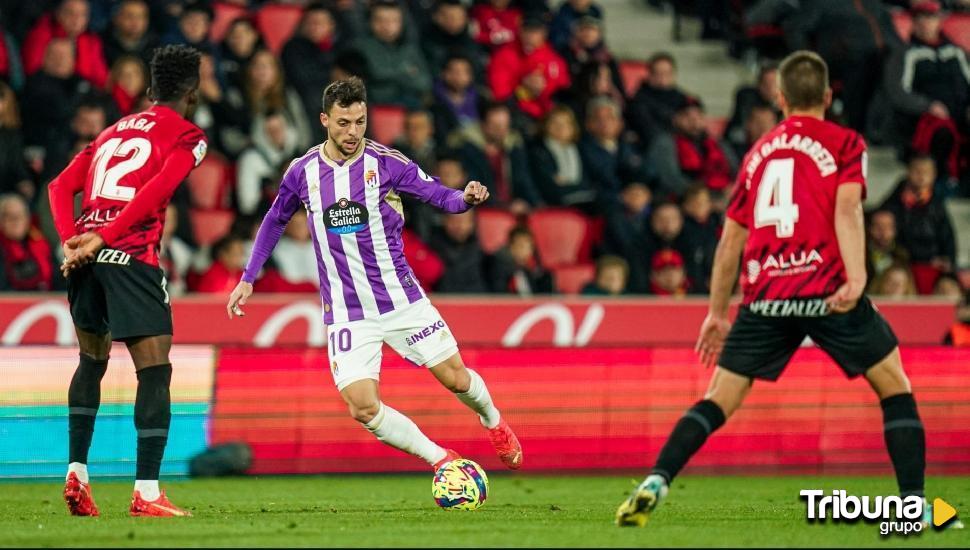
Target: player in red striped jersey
795, 224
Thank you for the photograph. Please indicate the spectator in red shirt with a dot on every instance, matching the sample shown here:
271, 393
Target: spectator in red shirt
495, 23
26, 263
69, 20
228, 260
127, 83
667, 275
530, 70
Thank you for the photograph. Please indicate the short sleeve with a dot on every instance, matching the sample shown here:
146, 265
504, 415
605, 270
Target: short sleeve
194, 141
853, 161
738, 209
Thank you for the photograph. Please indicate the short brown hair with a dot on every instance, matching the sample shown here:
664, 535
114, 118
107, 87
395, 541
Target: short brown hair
803, 78
344, 93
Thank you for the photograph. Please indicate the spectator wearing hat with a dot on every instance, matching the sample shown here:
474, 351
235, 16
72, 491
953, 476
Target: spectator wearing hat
562, 26
612, 275
450, 35
586, 45
26, 263
495, 23
690, 154
397, 70
928, 83
68, 21
129, 33
651, 110
528, 71
192, 28
667, 275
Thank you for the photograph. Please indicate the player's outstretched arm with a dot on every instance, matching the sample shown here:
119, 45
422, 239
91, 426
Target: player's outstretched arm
850, 231
409, 178
716, 325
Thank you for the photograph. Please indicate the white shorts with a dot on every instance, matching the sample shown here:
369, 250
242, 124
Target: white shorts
416, 332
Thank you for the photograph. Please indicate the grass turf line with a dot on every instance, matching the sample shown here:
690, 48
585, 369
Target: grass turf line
522, 510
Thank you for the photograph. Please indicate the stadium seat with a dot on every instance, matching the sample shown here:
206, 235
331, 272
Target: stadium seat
632, 73
224, 13
716, 126
208, 226
571, 279
209, 183
903, 23
956, 27
560, 235
386, 122
493, 228
277, 22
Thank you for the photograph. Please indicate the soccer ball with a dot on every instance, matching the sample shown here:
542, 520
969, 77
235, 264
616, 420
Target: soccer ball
460, 485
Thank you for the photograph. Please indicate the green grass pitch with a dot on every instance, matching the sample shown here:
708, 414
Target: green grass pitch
522, 510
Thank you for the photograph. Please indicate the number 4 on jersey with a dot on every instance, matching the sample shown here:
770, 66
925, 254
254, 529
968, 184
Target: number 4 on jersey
774, 204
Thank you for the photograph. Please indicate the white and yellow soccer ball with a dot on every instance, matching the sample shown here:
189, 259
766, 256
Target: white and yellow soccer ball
460, 485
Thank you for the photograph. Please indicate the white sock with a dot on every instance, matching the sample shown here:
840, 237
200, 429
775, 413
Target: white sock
400, 432
148, 488
81, 470
478, 399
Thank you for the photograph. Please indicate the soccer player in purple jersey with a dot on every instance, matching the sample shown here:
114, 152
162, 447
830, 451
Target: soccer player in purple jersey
349, 187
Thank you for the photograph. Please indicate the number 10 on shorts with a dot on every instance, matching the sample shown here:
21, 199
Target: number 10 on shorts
340, 340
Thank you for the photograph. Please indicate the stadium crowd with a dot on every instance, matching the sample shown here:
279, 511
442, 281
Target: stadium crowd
601, 184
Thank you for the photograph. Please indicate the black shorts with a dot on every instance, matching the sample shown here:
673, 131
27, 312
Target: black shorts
121, 295
760, 345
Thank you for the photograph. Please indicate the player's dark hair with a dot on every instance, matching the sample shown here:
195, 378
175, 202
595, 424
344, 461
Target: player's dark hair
804, 77
344, 93
175, 72
662, 56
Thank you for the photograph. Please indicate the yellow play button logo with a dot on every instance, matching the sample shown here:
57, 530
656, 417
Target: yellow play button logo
942, 512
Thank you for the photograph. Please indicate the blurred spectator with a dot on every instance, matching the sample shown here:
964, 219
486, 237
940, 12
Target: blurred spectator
895, 282
427, 266
947, 286
609, 160
25, 256
667, 275
89, 119
702, 229
594, 80
274, 145
11, 67
587, 46
295, 260
192, 28
308, 59
923, 224
210, 106
418, 140
228, 260
882, 249
129, 33
495, 155
495, 23
14, 177
528, 70
557, 167
928, 83
457, 246
564, 22
70, 22
349, 63
959, 334
853, 38
612, 274
350, 16
127, 83
749, 98
455, 97
627, 232
449, 36
396, 67
651, 110
241, 42
422, 217
761, 120
690, 154
175, 256
515, 268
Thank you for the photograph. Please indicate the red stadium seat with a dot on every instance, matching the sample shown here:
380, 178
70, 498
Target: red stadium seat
571, 279
277, 22
209, 183
716, 126
560, 235
493, 228
956, 27
903, 23
386, 122
632, 73
208, 226
224, 13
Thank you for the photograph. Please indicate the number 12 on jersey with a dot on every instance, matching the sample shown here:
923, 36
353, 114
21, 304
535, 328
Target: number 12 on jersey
774, 204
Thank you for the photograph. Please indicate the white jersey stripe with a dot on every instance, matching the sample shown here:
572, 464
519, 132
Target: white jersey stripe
355, 263
338, 304
378, 235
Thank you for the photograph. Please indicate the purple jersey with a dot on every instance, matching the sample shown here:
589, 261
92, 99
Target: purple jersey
355, 218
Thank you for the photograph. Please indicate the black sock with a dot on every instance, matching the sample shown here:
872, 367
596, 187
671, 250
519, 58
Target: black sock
906, 442
83, 400
153, 414
689, 434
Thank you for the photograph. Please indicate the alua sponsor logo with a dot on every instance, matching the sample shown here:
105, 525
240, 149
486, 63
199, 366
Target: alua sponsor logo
425, 332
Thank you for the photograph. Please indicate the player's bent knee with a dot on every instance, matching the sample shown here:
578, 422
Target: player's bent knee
364, 413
